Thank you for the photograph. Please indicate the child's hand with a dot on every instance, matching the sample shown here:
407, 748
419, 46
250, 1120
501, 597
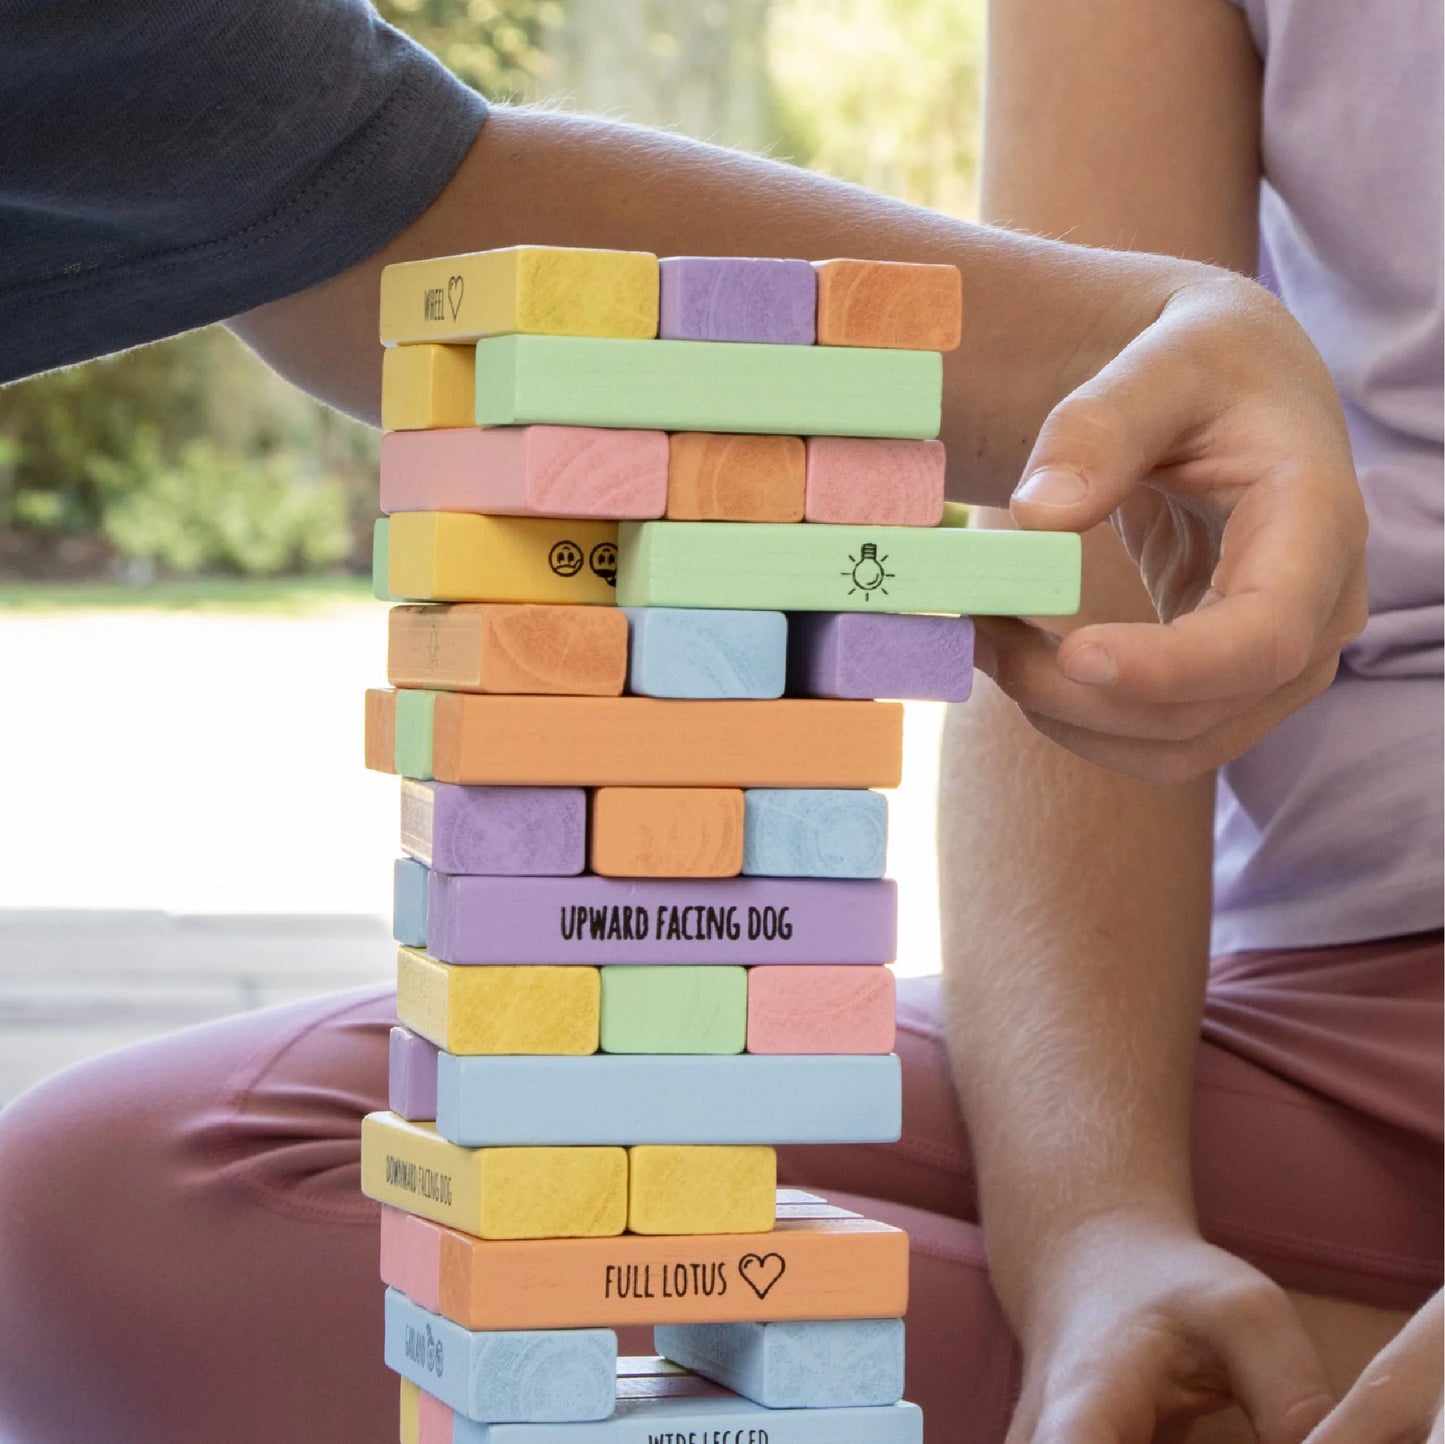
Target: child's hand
1217, 444
1397, 1399
1135, 1328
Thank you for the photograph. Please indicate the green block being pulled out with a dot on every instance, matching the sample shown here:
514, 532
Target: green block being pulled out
660, 1008
811, 568
708, 386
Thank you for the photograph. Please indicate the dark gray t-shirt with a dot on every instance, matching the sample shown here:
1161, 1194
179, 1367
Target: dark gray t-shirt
169, 163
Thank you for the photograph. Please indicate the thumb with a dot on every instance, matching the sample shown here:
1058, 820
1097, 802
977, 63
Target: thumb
1104, 438
1277, 1376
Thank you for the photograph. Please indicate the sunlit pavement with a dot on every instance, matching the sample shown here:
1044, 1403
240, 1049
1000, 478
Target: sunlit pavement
188, 830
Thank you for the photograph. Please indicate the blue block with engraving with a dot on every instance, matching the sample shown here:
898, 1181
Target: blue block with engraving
629, 1098
409, 901
807, 1364
504, 1376
683, 652
814, 832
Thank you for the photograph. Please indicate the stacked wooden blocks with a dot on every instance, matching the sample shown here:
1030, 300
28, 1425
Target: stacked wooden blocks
644, 927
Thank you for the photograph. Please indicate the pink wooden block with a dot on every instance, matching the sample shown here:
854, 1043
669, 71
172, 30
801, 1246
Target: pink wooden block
867, 481
823, 1009
571, 471
435, 1421
411, 1256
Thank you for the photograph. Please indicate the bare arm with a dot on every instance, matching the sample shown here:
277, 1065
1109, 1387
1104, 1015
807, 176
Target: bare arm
1076, 903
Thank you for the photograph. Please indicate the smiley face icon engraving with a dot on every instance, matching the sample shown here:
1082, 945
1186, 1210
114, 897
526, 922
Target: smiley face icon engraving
565, 558
604, 562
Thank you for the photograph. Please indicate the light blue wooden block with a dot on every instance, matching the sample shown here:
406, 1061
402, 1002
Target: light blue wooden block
681, 652
794, 1365
408, 901
612, 1098
509, 1375
814, 832
723, 1420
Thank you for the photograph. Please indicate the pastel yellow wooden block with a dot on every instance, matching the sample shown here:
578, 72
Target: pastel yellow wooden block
536, 290
445, 556
410, 1412
687, 1190
428, 386
499, 1009
497, 1193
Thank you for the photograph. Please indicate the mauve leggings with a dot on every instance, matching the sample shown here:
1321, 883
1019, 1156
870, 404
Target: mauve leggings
185, 1257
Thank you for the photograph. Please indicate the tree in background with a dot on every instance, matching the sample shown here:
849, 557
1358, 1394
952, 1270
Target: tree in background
189, 456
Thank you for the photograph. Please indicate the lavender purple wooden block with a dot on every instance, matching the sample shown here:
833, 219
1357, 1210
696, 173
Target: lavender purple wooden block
495, 831
412, 1076
738, 298
618, 920
855, 655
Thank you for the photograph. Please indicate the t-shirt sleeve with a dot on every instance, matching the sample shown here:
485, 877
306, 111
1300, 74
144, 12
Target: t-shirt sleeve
169, 163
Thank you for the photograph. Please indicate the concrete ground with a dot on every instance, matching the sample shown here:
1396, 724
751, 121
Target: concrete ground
186, 829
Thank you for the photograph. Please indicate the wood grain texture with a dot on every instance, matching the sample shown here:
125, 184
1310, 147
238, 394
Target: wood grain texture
424, 386
380, 725
515, 648
651, 921
503, 1375
537, 1011
556, 471
847, 568
853, 655
652, 1010
644, 741
820, 1010
889, 303
873, 481
622, 1098
824, 1268
814, 832
454, 557
550, 290
691, 1190
691, 652
708, 386
495, 831
737, 298
502, 1193
667, 832
718, 476
803, 1364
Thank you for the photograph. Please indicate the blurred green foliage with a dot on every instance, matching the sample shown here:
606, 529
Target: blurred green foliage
190, 458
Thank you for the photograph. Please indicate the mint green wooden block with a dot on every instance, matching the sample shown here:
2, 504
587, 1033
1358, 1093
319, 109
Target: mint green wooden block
811, 568
708, 386
415, 713
666, 1009
380, 559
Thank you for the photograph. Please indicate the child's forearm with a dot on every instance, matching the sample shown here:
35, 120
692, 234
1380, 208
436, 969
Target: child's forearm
1075, 939
1039, 317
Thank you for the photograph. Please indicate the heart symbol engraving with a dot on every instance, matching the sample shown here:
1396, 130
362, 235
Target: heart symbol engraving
456, 288
761, 1271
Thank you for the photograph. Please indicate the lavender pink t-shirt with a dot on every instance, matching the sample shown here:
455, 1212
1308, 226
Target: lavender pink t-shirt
1329, 830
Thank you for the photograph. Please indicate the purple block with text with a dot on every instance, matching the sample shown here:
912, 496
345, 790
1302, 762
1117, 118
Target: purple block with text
412, 1077
853, 655
738, 298
598, 920
495, 831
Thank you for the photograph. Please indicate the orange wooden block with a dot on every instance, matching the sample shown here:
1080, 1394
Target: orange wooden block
651, 742
896, 305
496, 647
380, 730
807, 1268
820, 1009
667, 831
718, 476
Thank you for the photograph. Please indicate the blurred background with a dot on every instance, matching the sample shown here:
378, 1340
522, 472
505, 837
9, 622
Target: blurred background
184, 542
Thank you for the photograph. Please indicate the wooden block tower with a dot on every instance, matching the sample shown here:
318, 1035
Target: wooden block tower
643, 928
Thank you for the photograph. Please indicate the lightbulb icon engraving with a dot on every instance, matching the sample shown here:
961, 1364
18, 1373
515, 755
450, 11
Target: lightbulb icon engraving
867, 573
